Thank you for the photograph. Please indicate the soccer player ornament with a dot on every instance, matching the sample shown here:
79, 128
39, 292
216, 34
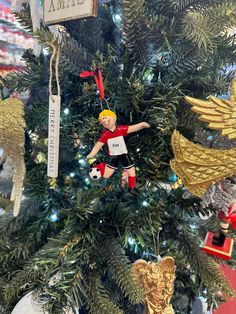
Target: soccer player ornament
113, 136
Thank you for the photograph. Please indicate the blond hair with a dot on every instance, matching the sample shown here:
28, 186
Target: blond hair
107, 112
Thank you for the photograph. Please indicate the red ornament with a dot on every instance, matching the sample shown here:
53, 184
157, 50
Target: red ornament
223, 252
113, 136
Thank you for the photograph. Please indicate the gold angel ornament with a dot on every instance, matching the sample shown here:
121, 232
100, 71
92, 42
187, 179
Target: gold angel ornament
157, 281
198, 166
12, 139
219, 113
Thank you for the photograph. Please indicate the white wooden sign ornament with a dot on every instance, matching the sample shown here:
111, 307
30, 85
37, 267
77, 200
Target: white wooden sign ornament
53, 135
56, 11
54, 116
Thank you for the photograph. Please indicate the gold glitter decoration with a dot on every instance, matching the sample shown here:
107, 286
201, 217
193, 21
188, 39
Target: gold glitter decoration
219, 113
12, 140
157, 280
52, 183
198, 166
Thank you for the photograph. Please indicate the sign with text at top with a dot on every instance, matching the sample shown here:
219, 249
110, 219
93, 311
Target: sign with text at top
53, 135
56, 11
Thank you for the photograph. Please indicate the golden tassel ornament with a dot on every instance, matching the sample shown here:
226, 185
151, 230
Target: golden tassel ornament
198, 166
219, 113
12, 140
157, 281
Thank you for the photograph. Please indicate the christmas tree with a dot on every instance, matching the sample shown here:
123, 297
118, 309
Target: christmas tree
75, 239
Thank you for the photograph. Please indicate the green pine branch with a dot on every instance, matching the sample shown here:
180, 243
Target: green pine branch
98, 301
6, 204
75, 57
5, 186
219, 17
134, 28
193, 5
19, 248
40, 112
196, 29
119, 266
25, 80
24, 17
93, 34
29, 210
46, 38
34, 270
205, 266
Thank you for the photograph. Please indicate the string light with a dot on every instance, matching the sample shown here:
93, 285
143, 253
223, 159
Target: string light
116, 17
149, 77
66, 111
145, 203
193, 226
210, 138
72, 174
131, 240
54, 216
82, 161
87, 180
173, 178
45, 51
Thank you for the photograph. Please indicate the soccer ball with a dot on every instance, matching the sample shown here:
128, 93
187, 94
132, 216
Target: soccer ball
97, 170
95, 173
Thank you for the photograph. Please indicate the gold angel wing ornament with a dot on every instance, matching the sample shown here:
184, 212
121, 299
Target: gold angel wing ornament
12, 140
219, 113
157, 280
198, 166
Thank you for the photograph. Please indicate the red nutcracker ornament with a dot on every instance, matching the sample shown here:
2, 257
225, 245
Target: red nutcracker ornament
218, 244
113, 136
226, 219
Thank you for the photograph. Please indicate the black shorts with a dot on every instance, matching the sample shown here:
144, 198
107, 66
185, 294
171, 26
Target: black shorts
124, 159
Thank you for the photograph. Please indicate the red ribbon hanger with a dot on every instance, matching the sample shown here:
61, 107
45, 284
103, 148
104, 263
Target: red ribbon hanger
98, 79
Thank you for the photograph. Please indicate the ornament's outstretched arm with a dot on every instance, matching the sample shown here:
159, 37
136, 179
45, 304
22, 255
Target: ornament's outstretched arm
138, 127
95, 150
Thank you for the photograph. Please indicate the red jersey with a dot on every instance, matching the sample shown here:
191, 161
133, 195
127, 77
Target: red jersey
115, 140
